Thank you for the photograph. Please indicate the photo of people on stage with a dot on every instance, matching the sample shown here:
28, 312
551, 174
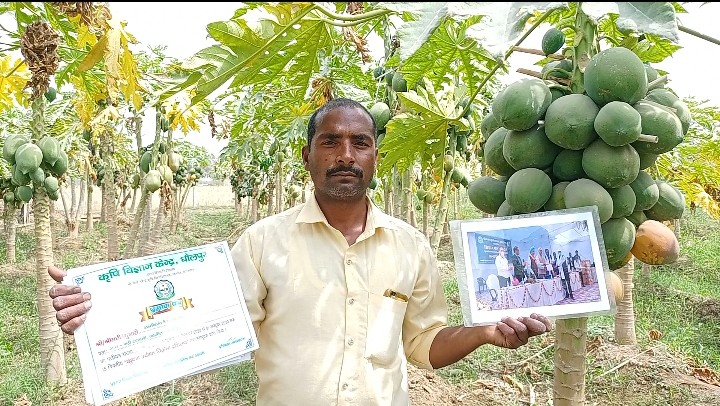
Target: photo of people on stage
532, 266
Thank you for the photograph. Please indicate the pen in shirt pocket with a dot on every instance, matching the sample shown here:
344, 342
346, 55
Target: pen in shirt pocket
395, 295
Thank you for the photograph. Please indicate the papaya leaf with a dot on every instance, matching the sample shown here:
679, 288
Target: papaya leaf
235, 34
409, 135
85, 37
447, 51
95, 55
294, 56
654, 49
678, 7
503, 23
292, 52
427, 16
640, 18
14, 74
180, 114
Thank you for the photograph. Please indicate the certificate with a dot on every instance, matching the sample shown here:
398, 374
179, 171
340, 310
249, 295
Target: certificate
159, 318
552, 263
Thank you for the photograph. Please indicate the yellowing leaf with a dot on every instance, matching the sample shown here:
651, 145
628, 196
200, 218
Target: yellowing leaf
180, 114
112, 58
13, 77
83, 102
95, 55
85, 37
130, 85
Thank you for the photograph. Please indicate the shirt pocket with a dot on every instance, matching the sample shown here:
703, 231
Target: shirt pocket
385, 320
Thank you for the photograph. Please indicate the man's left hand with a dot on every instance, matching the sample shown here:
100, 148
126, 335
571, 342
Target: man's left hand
513, 333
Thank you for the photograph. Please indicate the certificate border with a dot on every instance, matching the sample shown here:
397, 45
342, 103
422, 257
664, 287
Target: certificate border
75, 276
465, 278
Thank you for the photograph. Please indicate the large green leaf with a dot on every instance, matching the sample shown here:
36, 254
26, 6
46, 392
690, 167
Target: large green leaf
236, 35
426, 17
654, 49
448, 51
410, 135
298, 40
655, 18
503, 23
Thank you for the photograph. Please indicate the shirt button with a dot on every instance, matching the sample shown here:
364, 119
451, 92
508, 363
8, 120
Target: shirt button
349, 261
344, 386
351, 301
351, 342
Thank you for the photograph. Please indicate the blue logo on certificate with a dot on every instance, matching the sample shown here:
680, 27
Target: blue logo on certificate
164, 290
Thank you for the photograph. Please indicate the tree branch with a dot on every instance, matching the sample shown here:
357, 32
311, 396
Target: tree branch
698, 34
352, 17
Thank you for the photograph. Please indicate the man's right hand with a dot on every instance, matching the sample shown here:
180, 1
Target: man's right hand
69, 302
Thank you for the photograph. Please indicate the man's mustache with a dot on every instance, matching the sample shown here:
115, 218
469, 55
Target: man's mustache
357, 171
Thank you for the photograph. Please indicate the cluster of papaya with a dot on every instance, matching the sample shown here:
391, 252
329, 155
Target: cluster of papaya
554, 151
165, 168
33, 164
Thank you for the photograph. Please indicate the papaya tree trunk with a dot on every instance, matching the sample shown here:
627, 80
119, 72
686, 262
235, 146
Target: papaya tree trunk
238, 205
146, 222
89, 221
134, 200
408, 195
387, 194
103, 209
137, 219
426, 215
52, 349
10, 231
441, 214
571, 334
154, 239
625, 316
270, 200
570, 352
646, 270
75, 213
109, 202
174, 210
69, 224
279, 187
254, 211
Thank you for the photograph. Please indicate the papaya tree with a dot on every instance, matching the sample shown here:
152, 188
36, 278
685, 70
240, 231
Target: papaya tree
39, 162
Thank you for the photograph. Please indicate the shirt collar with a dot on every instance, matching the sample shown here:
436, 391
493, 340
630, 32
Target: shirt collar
311, 213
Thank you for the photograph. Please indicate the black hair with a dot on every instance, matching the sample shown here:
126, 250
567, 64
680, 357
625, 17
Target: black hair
332, 105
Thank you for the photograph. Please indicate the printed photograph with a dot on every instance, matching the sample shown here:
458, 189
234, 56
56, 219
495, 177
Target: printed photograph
548, 263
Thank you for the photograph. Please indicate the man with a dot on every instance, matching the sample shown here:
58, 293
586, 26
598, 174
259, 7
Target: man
565, 276
503, 268
518, 265
341, 294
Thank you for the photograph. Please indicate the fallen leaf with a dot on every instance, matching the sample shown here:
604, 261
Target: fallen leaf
514, 382
654, 335
706, 375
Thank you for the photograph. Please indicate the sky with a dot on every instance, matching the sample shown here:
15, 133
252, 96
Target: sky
182, 28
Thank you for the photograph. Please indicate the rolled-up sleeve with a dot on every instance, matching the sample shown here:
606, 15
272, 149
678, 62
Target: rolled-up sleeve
253, 287
427, 310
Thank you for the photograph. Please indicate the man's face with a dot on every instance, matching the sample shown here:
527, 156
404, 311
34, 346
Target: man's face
342, 156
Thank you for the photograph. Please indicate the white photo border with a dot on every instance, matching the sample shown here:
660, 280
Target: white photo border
459, 230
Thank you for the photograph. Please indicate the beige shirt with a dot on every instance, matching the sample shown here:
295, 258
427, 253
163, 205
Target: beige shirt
327, 335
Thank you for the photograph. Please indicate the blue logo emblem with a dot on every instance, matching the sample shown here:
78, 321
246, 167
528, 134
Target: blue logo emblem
164, 290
